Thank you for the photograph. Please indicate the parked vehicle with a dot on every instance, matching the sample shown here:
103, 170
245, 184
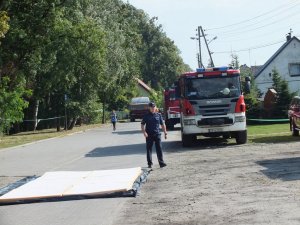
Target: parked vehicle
138, 107
294, 115
212, 105
171, 107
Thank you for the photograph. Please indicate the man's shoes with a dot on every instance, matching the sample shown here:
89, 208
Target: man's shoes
149, 166
162, 165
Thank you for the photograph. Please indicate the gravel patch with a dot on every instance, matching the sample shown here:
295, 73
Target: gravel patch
221, 184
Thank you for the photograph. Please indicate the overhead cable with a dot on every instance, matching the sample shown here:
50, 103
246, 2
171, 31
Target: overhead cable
256, 28
253, 18
251, 48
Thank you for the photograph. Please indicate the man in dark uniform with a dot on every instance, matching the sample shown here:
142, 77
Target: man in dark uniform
152, 120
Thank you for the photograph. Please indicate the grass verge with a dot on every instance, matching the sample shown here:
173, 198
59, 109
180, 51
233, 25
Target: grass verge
268, 134
28, 137
273, 133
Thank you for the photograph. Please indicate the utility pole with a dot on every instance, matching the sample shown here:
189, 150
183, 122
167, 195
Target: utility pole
198, 60
209, 52
199, 35
200, 54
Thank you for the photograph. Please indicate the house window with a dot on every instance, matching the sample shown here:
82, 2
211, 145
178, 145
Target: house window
294, 69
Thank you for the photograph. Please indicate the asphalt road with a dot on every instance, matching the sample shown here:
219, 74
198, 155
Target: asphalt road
91, 150
213, 182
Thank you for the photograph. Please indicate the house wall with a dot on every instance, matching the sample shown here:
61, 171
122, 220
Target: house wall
291, 54
142, 91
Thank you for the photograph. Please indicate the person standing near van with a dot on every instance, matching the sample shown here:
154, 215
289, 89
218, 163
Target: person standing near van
153, 120
113, 117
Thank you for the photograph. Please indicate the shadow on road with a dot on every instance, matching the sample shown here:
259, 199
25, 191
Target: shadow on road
168, 146
213, 142
118, 150
287, 169
128, 132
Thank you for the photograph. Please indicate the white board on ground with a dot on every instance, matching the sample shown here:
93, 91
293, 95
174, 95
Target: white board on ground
66, 183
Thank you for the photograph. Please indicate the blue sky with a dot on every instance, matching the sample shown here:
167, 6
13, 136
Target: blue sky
247, 25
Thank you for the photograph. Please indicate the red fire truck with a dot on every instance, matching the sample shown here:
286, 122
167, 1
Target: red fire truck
171, 108
212, 105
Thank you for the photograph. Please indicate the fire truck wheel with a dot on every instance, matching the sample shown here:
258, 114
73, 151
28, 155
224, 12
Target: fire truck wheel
241, 137
187, 140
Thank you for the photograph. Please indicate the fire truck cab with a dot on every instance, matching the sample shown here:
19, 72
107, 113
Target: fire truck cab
171, 107
212, 105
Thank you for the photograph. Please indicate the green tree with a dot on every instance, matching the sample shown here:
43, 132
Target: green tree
4, 26
161, 61
11, 93
31, 23
276, 78
235, 63
157, 97
121, 63
87, 50
12, 104
60, 52
251, 98
284, 96
79, 69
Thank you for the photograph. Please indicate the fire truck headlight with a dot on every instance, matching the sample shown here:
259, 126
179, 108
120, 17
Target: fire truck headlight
190, 122
240, 119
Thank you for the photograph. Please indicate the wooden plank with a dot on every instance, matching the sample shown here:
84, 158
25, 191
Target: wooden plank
69, 183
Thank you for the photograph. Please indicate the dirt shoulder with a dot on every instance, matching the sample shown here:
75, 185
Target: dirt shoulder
226, 184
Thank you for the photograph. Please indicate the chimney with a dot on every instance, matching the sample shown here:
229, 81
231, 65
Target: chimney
289, 35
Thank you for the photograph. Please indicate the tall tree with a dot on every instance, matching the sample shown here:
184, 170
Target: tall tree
79, 55
161, 60
284, 96
11, 93
251, 96
235, 63
4, 26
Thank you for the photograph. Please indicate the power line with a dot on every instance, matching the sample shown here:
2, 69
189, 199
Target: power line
258, 35
251, 48
253, 18
257, 28
261, 21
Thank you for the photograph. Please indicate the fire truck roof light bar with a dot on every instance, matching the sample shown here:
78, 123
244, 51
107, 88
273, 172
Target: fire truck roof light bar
200, 70
221, 69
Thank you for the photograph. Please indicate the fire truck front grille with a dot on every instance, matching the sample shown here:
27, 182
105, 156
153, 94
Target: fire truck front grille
215, 121
215, 112
212, 110
214, 106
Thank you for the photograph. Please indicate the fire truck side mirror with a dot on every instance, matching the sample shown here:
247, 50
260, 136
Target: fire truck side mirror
247, 85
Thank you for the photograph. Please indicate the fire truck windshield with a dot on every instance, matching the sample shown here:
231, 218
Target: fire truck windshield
212, 87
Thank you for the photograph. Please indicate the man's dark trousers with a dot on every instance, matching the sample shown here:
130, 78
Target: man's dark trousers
149, 142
